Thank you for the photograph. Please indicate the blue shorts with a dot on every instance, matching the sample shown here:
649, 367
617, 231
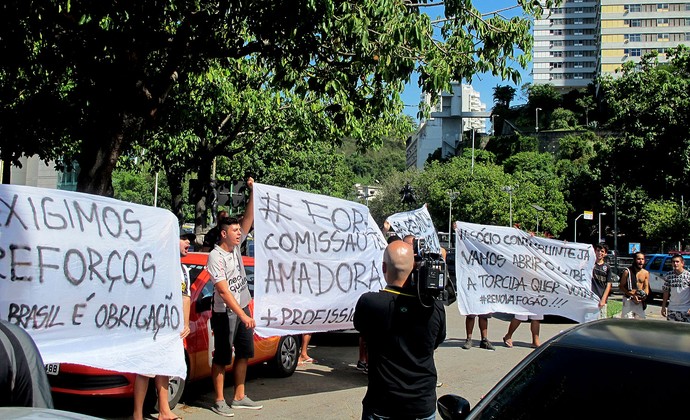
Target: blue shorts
229, 331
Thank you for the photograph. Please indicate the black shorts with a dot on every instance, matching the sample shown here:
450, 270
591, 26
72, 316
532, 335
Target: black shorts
229, 331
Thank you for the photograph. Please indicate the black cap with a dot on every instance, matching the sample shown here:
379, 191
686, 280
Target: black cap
189, 236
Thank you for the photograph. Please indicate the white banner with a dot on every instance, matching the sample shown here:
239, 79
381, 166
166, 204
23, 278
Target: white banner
503, 269
95, 281
417, 223
315, 255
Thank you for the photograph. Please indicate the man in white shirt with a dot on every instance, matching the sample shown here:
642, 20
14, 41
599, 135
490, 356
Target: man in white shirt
676, 301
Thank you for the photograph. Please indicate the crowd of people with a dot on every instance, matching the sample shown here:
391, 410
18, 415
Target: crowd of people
398, 333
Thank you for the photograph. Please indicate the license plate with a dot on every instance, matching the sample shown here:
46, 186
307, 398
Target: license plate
53, 368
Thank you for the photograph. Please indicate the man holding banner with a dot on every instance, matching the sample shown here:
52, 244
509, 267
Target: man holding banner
231, 320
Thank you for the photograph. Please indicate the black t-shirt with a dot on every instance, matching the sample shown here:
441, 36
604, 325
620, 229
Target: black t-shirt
401, 335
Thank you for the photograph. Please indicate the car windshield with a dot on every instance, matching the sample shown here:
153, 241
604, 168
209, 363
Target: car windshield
579, 383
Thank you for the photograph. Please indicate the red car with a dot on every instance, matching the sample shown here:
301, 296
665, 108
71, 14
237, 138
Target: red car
281, 353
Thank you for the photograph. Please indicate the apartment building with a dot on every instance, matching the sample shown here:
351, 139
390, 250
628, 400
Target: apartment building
457, 111
630, 30
565, 45
581, 39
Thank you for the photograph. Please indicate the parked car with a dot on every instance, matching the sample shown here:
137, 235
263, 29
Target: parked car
640, 365
658, 266
281, 353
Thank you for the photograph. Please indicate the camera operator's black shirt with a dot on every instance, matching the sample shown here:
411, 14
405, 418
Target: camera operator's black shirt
401, 335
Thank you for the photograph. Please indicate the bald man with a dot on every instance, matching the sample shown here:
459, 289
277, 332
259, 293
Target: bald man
401, 335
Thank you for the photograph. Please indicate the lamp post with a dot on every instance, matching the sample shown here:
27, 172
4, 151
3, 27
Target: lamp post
538, 209
493, 124
452, 195
472, 167
536, 120
575, 239
509, 189
600, 214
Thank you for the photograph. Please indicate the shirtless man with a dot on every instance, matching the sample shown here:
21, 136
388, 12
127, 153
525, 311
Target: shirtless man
634, 279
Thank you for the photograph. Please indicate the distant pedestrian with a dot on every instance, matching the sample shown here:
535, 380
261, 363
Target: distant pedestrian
601, 278
483, 331
676, 300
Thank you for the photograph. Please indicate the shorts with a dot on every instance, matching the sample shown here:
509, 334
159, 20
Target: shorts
530, 317
229, 331
632, 309
678, 316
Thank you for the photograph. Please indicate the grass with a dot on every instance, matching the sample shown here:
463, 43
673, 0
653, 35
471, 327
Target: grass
613, 307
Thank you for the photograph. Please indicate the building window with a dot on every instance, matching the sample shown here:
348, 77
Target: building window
578, 10
661, 50
578, 76
578, 22
556, 53
556, 32
633, 8
557, 11
556, 65
556, 43
633, 37
635, 23
662, 7
578, 65
635, 52
662, 37
662, 22
687, 36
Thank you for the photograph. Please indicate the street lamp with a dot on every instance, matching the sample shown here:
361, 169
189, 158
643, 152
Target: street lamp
472, 167
600, 214
493, 124
575, 239
536, 120
538, 209
452, 195
509, 190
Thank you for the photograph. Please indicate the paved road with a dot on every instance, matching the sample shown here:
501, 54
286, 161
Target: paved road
333, 388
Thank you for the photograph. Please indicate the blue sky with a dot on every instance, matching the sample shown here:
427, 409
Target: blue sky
483, 83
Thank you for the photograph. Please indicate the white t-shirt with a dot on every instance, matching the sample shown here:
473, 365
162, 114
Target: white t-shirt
679, 287
227, 266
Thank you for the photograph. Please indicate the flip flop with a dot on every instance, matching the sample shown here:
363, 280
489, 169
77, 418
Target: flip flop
308, 360
508, 342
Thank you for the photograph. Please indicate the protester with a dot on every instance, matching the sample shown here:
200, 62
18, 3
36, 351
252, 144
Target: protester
675, 305
303, 355
23, 379
633, 280
213, 235
141, 382
601, 278
483, 331
231, 320
401, 334
535, 326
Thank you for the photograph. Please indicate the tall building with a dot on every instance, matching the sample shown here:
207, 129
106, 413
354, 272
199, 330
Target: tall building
630, 30
457, 111
565, 45
582, 39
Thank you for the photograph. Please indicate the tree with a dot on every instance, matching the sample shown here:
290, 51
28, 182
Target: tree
504, 95
562, 118
665, 221
649, 108
84, 79
587, 104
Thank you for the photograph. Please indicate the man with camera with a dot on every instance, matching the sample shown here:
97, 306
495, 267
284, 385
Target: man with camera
634, 285
401, 331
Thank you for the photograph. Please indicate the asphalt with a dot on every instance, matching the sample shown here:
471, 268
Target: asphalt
333, 388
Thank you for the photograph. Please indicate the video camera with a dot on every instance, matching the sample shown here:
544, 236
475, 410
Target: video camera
429, 275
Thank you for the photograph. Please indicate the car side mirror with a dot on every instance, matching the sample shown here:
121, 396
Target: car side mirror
453, 407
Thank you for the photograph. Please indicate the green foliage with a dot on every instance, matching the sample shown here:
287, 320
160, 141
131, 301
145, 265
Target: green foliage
85, 79
665, 221
562, 118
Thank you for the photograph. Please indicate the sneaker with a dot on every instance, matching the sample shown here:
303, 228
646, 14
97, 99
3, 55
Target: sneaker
221, 408
439, 384
468, 344
362, 366
246, 403
486, 344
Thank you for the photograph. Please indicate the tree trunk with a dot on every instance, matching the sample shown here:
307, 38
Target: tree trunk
176, 192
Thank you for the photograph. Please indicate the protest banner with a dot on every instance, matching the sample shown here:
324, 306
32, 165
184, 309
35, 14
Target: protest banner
417, 223
503, 269
94, 281
315, 255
